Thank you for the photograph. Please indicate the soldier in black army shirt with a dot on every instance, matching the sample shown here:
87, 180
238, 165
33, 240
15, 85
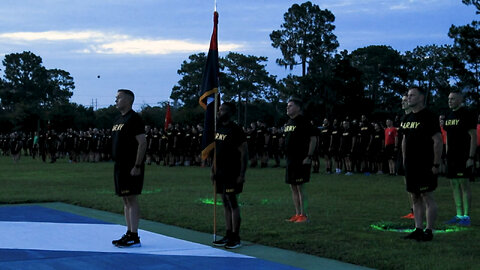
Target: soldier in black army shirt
228, 172
300, 143
170, 139
335, 145
325, 138
155, 146
460, 125
347, 144
364, 143
128, 151
52, 145
422, 149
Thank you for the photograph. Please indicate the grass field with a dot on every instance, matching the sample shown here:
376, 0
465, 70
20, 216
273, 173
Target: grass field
342, 210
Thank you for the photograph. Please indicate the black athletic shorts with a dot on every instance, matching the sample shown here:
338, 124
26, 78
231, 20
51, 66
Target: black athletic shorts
125, 184
345, 153
421, 181
297, 173
456, 168
390, 151
324, 152
230, 186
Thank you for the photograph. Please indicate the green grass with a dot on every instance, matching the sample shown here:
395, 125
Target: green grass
342, 210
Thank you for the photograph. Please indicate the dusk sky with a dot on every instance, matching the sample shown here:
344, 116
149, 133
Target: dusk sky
141, 44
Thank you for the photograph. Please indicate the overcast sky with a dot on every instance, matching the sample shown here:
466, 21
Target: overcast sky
140, 44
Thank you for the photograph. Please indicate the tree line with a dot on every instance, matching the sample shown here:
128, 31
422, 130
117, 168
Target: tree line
368, 80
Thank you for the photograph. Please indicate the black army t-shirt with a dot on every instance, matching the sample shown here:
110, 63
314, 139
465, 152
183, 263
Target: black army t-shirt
419, 129
297, 139
378, 141
325, 135
346, 141
228, 139
457, 125
124, 144
365, 136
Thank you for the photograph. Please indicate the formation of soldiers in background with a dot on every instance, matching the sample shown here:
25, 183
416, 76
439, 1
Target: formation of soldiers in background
349, 146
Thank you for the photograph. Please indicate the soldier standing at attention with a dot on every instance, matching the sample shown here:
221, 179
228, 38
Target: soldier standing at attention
300, 143
422, 150
228, 171
460, 125
128, 151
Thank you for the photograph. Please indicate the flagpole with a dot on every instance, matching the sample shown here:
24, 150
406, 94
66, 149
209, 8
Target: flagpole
214, 157
215, 168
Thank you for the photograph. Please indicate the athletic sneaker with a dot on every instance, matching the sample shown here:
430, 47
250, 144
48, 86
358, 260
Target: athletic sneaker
221, 243
233, 243
129, 241
301, 219
418, 235
409, 216
427, 235
464, 221
293, 218
123, 238
454, 221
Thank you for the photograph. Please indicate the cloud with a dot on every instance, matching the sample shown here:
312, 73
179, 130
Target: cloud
416, 4
156, 47
381, 6
85, 36
96, 42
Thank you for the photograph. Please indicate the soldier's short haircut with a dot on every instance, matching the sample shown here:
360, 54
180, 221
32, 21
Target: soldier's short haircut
420, 89
128, 93
297, 101
458, 92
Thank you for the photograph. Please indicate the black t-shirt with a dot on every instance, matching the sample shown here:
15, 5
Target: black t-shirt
228, 139
260, 138
297, 138
178, 138
187, 139
365, 135
325, 137
155, 142
457, 125
148, 138
418, 129
377, 141
170, 138
335, 138
70, 140
346, 140
274, 142
52, 142
124, 131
